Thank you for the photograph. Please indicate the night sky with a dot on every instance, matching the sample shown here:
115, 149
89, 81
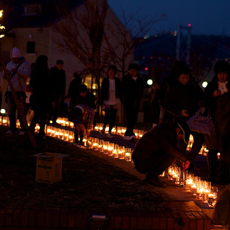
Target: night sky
209, 17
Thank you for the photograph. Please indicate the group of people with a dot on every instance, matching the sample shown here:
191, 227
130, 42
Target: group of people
130, 92
180, 97
48, 95
48, 88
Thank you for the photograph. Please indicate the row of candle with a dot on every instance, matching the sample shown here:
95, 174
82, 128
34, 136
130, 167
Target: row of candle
200, 188
4, 120
97, 144
63, 121
118, 130
109, 148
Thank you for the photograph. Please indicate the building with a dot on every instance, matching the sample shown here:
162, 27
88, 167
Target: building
32, 26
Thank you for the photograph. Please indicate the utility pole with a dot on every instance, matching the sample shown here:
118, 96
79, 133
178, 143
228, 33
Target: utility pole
178, 47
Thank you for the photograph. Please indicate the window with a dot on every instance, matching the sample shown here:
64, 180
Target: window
31, 9
30, 48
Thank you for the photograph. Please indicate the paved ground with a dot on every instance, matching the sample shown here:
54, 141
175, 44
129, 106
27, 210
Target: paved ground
181, 199
186, 212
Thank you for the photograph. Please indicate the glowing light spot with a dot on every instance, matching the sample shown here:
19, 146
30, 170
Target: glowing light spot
150, 82
204, 84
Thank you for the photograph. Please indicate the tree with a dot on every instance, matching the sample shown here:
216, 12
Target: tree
95, 41
128, 35
82, 34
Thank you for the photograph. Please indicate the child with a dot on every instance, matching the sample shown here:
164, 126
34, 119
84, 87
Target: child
82, 116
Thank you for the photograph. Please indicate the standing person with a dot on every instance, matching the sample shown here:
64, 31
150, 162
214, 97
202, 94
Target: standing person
73, 91
18, 70
132, 87
110, 93
41, 103
58, 80
182, 101
217, 101
164, 116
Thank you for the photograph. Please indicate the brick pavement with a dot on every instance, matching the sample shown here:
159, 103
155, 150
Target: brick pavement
182, 201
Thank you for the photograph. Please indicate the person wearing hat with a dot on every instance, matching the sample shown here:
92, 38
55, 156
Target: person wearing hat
132, 87
18, 71
158, 149
110, 94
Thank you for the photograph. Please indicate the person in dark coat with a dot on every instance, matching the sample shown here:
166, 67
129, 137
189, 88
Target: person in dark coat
164, 116
58, 80
158, 149
216, 102
73, 91
86, 97
182, 101
132, 87
40, 82
110, 94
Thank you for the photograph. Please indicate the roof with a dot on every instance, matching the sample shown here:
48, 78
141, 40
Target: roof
46, 15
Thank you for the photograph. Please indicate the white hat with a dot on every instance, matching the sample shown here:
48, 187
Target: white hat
15, 53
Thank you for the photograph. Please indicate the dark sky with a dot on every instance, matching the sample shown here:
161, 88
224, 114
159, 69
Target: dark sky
210, 17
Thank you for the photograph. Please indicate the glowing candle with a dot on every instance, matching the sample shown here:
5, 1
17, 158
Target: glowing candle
140, 133
71, 137
128, 154
121, 152
110, 149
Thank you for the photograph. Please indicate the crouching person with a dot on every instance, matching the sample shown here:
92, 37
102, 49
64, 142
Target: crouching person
158, 149
82, 116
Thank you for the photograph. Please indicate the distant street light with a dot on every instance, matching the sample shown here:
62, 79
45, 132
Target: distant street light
204, 84
150, 82
2, 111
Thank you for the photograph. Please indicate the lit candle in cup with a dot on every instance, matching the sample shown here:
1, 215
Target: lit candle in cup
96, 143
119, 130
115, 151
110, 149
123, 130
71, 136
100, 146
121, 151
114, 130
105, 147
140, 133
128, 154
